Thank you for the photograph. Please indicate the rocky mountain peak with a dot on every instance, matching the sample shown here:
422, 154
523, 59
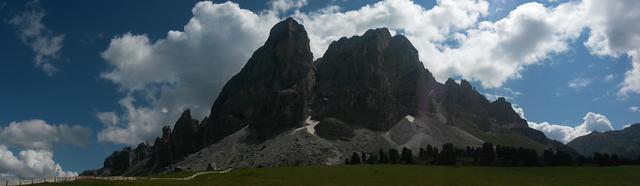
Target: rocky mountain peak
271, 91
451, 84
184, 120
380, 33
286, 26
370, 81
288, 37
504, 114
464, 84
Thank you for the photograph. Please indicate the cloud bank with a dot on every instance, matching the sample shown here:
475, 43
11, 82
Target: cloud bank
187, 68
38, 134
38, 138
31, 164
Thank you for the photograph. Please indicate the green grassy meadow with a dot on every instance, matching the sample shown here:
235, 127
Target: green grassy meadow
403, 175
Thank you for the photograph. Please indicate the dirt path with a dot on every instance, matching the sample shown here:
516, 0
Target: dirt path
194, 175
110, 178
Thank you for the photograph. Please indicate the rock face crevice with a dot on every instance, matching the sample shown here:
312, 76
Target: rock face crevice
365, 93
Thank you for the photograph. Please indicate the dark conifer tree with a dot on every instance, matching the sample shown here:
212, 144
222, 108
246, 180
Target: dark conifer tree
487, 155
598, 159
448, 155
407, 156
606, 159
383, 158
394, 156
372, 159
615, 160
355, 158
531, 158
549, 157
563, 159
422, 155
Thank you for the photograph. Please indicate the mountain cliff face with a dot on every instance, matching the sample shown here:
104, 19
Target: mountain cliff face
371, 81
271, 92
365, 93
625, 142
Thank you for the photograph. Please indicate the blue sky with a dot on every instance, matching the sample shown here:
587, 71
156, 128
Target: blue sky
558, 85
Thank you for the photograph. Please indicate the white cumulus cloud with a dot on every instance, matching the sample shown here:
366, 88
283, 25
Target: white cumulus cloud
282, 6
614, 31
37, 138
38, 134
563, 133
519, 111
33, 32
30, 164
108, 118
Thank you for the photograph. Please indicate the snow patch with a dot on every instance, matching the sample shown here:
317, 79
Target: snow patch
409, 118
309, 126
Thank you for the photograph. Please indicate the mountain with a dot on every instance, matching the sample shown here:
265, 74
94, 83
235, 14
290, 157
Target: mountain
270, 93
365, 93
625, 142
371, 81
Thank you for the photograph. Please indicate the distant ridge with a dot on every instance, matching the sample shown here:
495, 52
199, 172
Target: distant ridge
625, 142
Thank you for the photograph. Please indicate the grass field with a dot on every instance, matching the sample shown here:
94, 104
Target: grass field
404, 175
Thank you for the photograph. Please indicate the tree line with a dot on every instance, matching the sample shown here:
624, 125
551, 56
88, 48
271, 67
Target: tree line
486, 155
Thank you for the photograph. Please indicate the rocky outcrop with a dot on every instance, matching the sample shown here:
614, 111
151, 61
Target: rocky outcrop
121, 161
625, 142
171, 147
177, 143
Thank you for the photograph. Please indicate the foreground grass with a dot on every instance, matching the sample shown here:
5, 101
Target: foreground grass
406, 175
